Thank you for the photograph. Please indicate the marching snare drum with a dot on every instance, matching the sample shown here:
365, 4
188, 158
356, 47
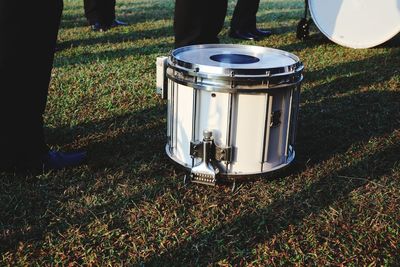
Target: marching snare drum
232, 109
357, 23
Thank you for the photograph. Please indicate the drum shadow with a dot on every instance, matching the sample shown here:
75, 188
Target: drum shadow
237, 238
342, 112
343, 123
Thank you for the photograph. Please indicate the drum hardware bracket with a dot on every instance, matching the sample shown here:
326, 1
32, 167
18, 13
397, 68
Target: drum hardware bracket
216, 152
303, 26
161, 79
223, 153
196, 149
206, 172
233, 85
275, 119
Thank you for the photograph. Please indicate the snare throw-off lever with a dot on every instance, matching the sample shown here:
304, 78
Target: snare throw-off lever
205, 172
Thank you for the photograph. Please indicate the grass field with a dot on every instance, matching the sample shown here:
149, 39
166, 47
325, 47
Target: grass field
339, 205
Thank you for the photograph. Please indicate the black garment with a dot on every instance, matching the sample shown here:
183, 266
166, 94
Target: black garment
99, 11
198, 21
26, 59
244, 15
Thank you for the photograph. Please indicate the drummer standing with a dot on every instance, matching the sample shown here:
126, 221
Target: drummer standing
200, 22
26, 61
244, 21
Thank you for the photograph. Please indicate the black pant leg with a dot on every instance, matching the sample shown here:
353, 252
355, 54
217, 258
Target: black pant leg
26, 59
102, 11
91, 11
198, 22
244, 16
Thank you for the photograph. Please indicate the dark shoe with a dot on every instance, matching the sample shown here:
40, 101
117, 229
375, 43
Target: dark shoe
117, 23
55, 160
242, 35
261, 33
98, 27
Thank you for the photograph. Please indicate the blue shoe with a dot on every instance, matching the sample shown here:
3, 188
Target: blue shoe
55, 160
117, 23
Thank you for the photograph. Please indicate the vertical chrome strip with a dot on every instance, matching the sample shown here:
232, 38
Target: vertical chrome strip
288, 129
229, 126
175, 129
168, 114
194, 117
172, 116
269, 110
265, 132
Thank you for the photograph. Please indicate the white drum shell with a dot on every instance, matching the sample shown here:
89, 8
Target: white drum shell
248, 96
258, 148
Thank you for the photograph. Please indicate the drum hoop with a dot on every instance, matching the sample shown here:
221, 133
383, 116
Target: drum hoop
224, 176
195, 69
291, 71
234, 87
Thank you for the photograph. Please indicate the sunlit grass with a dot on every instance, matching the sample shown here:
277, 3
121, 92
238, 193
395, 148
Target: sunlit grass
338, 205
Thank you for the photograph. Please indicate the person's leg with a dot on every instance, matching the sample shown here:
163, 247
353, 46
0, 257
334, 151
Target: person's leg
244, 15
244, 21
91, 10
108, 12
101, 14
213, 19
26, 60
198, 22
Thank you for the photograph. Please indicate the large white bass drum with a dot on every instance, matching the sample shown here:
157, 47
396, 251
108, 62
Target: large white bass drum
357, 23
232, 109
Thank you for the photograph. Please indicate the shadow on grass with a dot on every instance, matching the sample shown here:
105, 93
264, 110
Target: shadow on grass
133, 144
115, 37
133, 13
87, 58
240, 236
335, 116
35, 206
357, 117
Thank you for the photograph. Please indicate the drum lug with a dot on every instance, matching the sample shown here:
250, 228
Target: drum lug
196, 149
275, 119
217, 152
233, 84
223, 153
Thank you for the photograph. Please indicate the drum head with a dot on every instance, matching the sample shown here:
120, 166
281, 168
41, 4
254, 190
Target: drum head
357, 23
231, 67
221, 59
234, 57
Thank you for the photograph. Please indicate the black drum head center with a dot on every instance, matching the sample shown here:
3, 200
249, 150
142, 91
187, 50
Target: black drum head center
234, 58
